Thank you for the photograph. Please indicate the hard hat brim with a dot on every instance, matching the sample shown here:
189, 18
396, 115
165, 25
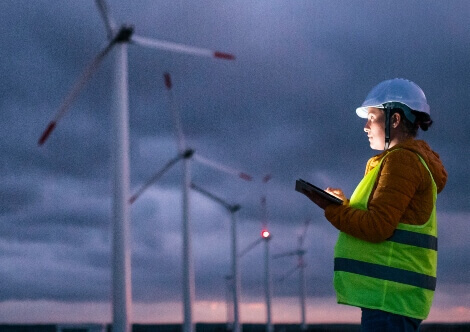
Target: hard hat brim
362, 112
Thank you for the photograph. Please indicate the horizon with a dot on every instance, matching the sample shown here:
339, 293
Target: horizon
286, 311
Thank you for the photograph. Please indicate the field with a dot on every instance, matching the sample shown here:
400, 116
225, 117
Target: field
202, 327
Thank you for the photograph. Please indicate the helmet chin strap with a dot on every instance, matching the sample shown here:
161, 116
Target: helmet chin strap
387, 110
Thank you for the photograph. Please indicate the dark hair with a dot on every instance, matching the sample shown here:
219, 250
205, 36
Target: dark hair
422, 120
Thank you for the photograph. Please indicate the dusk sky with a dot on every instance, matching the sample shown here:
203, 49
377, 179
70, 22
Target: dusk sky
284, 107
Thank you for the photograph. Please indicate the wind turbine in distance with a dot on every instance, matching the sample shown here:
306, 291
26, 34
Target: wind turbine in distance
266, 237
119, 38
186, 155
232, 209
300, 252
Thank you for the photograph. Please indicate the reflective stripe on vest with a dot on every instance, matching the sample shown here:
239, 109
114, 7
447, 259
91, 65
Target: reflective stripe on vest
385, 273
414, 239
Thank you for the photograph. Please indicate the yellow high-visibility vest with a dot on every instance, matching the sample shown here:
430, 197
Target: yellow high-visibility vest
397, 275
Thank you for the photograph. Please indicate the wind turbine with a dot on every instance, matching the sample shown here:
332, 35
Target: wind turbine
186, 155
299, 252
232, 209
266, 235
188, 270
119, 38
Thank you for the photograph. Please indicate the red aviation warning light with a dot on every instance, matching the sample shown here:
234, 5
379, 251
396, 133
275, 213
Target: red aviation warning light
265, 234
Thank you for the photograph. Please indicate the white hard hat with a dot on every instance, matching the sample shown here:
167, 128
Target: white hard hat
397, 90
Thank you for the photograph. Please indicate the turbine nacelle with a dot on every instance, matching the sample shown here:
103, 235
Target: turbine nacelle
124, 34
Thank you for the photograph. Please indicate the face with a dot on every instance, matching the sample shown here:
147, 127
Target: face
375, 128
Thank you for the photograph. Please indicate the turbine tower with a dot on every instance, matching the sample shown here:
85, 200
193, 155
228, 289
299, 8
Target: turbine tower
232, 209
229, 301
299, 252
266, 236
119, 38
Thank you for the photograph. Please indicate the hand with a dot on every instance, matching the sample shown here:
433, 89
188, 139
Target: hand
337, 192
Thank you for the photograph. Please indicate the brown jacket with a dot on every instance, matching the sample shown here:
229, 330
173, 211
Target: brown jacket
402, 193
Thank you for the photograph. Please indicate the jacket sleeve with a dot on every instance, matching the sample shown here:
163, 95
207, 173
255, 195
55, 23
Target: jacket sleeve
396, 184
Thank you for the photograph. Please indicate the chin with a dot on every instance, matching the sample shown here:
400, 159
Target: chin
375, 147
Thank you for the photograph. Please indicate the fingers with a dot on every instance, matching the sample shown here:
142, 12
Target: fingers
336, 192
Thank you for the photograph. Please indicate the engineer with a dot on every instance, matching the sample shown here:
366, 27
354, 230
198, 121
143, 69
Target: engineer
386, 253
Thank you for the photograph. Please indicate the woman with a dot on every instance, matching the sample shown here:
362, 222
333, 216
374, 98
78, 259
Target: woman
386, 253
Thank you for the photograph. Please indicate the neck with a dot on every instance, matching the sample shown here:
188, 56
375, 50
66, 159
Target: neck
398, 138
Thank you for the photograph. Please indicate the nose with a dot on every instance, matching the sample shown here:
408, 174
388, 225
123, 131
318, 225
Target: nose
367, 127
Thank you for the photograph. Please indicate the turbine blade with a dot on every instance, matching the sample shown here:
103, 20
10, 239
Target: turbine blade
288, 274
175, 114
47, 132
156, 177
231, 208
222, 168
250, 246
180, 48
168, 82
304, 232
266, 178
285, 254
79, 84
108, 21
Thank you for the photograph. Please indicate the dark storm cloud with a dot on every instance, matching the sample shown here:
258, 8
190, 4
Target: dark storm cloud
284, 107
68, 227
15, 197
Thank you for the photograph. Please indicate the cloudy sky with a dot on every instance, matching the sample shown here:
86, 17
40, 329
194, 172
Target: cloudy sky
284, 107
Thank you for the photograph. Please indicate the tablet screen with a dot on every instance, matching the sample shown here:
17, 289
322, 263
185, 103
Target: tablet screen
301, 185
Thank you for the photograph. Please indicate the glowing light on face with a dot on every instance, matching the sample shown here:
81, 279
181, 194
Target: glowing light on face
375, 128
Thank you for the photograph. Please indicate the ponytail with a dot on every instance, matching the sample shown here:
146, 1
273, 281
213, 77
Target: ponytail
423, 120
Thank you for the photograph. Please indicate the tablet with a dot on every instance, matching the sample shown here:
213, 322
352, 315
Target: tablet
301, 185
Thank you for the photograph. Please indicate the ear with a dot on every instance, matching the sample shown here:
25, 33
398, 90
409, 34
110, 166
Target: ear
396, 119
